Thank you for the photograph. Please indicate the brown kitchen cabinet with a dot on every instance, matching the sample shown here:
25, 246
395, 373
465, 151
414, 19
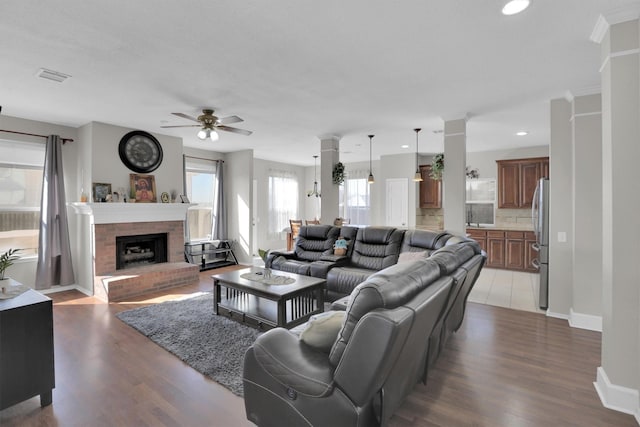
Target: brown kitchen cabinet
508, 249
430, 190
495, 249
514, 250
517, 180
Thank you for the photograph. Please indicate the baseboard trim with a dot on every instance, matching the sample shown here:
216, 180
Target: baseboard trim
615, 397
585, 321
66, 288
557, 315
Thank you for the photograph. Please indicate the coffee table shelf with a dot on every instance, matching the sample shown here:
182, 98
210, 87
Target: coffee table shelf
267, 306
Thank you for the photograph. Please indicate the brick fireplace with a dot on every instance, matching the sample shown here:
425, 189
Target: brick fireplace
113, 220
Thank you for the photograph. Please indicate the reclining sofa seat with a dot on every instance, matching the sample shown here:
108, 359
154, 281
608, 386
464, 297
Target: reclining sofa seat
374, 249
378, 356
424, 241
312, 243
452, 260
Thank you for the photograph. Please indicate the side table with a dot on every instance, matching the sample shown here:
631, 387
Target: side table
26, 349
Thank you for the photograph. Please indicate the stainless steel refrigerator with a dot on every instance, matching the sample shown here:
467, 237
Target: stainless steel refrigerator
540, 217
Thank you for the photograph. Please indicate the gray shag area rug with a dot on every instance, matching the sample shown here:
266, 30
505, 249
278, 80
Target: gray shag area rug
188, 328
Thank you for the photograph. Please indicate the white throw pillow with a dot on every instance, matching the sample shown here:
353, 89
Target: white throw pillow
322, 330
411, 256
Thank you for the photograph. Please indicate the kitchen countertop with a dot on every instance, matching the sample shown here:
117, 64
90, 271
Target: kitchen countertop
503, 228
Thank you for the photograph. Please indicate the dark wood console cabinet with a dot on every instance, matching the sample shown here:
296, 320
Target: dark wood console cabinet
26, 349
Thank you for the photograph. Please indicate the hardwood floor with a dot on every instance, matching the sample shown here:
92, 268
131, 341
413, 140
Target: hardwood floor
503, 368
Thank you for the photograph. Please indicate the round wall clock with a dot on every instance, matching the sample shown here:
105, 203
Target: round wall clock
140, 151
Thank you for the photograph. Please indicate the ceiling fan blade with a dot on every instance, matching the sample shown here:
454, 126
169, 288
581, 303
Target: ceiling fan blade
185, 116
182, 126
229, 120
234, 130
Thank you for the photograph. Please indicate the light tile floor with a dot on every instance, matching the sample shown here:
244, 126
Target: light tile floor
505, 288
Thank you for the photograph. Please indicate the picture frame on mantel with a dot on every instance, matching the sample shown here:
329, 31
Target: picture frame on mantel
100, 192
144, 187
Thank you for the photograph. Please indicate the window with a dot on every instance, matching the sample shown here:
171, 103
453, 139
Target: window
354, 202
199, 179
283, 201
21, 169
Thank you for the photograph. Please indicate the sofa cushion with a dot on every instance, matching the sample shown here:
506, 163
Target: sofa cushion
342, 280
376, 248
388, 288
411, 256
420, 240
321, 331
291, 265
453, 256
314, 241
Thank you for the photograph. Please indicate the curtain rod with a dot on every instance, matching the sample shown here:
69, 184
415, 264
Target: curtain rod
202, 158
64, 140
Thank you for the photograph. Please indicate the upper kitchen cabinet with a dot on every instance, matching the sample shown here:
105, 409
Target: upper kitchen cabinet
517, 180
430, 189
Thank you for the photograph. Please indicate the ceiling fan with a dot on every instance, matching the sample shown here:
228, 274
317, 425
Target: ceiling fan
210, 124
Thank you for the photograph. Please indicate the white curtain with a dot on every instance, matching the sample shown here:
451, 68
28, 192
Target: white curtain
283, 202
54, 252
355, 198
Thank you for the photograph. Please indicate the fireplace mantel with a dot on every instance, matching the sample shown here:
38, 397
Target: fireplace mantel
112, 213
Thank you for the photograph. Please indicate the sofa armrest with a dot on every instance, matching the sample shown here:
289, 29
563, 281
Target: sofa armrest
320, 269
338, 260
280, 355
274, 254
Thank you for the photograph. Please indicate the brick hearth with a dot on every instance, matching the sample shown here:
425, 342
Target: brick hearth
113, 285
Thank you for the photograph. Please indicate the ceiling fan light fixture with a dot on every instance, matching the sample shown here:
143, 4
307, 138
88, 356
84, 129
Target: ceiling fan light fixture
213, 135
513, 7
202, 134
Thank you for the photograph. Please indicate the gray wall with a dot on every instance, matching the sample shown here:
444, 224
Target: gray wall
238, 178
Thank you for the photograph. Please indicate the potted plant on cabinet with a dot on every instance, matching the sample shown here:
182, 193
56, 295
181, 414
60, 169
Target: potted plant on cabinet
6, 261
437, 166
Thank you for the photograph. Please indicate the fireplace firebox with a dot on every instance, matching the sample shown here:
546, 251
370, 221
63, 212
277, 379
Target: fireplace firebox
140, 250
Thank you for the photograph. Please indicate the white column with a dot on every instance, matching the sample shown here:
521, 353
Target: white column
329, 156
586, 310
453, 178
618, 379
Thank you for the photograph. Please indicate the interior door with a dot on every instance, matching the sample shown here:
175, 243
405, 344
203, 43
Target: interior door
397, 197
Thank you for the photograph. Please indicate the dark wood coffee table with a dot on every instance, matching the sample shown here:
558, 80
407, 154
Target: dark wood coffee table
267, 306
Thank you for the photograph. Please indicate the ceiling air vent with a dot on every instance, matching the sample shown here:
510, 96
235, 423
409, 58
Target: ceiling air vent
56, 76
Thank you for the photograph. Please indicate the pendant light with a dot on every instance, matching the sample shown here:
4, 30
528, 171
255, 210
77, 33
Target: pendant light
314, 192
418, 176
370, 180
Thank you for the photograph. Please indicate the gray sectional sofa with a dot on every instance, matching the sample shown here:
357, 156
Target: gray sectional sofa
370, 249
394, 325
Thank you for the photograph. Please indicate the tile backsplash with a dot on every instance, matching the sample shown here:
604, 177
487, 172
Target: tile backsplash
433, 219
514, 218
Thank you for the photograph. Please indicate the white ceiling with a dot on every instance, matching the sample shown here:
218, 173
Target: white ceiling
295, 70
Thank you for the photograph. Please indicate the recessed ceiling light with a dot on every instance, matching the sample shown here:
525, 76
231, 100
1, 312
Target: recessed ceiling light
404, 146
515, 6
522, 133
